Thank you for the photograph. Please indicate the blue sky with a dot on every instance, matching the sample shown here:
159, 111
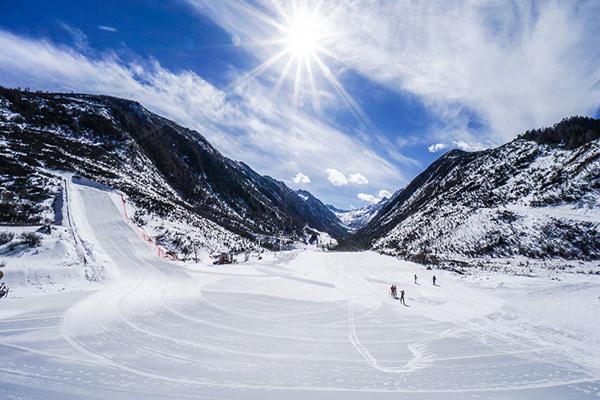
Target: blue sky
394, 83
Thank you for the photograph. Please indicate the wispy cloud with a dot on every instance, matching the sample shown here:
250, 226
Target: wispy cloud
80, 39
510, 64
248, 124
107, 28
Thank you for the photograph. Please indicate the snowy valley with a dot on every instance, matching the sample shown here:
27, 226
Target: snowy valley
292, 325
113, 216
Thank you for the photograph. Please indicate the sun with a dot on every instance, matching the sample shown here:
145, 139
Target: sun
302, 35
303, 43
298, 48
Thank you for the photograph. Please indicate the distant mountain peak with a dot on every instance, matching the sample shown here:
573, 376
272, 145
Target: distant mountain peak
357, 218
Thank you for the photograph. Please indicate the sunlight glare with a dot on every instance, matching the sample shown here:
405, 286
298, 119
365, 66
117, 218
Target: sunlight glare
301, 46
302, 35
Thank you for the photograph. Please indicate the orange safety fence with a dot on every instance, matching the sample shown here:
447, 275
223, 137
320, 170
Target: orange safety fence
161, 252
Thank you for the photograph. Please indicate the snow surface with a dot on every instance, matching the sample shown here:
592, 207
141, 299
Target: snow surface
294, 325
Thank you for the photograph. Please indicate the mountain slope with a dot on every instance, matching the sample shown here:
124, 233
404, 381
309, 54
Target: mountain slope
164, 167
536, 197
320, 216
356, 219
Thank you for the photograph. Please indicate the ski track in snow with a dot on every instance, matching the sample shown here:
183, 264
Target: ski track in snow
306, 325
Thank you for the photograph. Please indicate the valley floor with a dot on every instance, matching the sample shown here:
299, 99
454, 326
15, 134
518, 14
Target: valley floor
295, 325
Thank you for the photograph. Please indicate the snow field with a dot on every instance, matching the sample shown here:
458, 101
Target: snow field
298, 325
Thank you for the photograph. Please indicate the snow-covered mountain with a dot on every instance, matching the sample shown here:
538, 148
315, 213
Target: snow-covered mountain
321, 217
356, 219
535, 198
167, 170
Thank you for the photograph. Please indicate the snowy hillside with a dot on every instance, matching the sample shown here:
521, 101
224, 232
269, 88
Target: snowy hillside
170, 173
535, 199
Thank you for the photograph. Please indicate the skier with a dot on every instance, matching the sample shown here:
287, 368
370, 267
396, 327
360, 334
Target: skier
3, 290
416, 279
402, 297
434, 279
393, 292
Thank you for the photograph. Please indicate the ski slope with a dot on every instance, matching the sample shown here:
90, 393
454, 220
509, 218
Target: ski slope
295, 325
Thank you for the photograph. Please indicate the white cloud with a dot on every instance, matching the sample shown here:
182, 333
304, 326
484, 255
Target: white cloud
336, 177
300, 178
358, 179
369, 198
508, 63
107, 28
461, 144
434, 148
249, 123
384, 194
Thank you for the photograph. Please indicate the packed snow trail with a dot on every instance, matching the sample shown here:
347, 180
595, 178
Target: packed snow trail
304, 325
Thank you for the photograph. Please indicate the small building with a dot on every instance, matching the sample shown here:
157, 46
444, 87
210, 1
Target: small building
224, 258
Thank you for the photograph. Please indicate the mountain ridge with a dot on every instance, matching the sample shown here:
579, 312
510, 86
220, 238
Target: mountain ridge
535, 197
159, 164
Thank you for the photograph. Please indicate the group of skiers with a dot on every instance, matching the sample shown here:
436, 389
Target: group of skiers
394, 290
394, 294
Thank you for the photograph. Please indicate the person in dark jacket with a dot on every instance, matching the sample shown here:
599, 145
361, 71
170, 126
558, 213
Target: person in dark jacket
3, 290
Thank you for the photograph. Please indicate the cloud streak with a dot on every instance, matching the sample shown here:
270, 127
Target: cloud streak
107, 28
